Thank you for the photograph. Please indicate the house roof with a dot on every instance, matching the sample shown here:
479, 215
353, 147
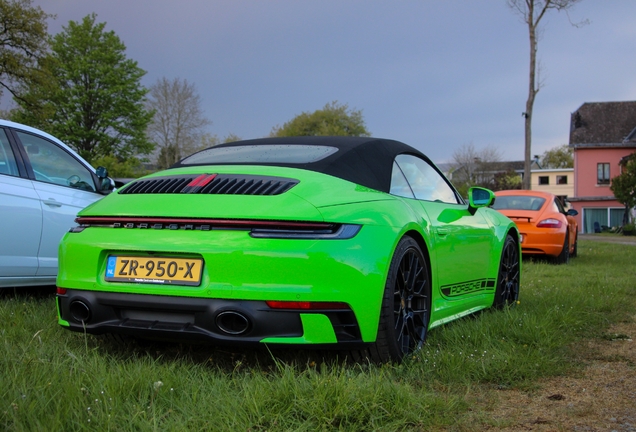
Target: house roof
604, 124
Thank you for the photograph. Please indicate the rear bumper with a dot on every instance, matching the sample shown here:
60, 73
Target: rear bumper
238, 269
217, 321
537, 243
550, 250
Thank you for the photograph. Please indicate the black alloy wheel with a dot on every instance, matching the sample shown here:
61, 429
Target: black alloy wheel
405, 313
507, 291
410, 302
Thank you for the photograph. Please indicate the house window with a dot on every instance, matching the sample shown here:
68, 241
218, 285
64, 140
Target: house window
603, 173
562, 179
600, 218
544, 180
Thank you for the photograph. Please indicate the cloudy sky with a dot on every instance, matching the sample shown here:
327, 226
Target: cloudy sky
434, 74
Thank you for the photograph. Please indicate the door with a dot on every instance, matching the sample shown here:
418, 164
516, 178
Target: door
462, 247
20, 218
63, 186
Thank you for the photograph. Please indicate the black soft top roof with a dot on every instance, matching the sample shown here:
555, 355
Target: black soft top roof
362, 160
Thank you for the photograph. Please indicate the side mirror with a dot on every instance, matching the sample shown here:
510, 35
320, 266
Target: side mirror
479, 197
105, 183
572, 212
101, 172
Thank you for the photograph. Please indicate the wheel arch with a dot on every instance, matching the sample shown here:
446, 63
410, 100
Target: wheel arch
514, 232
417, 236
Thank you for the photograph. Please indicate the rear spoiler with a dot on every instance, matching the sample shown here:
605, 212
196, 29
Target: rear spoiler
528, 218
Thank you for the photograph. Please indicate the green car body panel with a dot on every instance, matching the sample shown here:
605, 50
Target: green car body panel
239, 267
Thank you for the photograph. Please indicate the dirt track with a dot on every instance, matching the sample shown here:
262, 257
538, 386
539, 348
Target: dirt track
602, 397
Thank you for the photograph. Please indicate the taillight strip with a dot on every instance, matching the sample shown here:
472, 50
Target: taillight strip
265, 229
246, 223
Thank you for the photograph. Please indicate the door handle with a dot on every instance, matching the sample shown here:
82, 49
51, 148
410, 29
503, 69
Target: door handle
442, 231
52, 202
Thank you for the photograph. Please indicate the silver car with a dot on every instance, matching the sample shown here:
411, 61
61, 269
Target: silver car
43, 185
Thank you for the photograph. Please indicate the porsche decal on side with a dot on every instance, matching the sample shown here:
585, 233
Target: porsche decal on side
468, 287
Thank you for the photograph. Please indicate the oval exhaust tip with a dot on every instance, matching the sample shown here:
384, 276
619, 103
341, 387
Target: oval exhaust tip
80, 311
232, 323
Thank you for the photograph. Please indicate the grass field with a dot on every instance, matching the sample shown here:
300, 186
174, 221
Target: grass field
52, 379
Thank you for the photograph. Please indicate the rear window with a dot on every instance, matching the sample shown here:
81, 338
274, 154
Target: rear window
518, 202
266, 154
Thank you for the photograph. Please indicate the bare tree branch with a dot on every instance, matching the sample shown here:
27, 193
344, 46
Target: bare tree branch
178, 124
532, 12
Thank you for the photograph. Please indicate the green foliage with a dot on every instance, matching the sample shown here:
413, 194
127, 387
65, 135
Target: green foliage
558, 157
629, 229
129, 168
507, 180
53, 379
462, 188
23, 41
168, 155
333, 119
95, 102
231, 137
624, 185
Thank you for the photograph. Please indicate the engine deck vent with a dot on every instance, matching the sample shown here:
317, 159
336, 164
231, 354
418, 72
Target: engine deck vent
215, 184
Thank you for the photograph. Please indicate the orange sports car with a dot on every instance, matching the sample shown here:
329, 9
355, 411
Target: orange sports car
546, 227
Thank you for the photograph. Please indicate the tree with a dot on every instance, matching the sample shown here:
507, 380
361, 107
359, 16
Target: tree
177, 127
624, 185
333, 119
231, 137
208, 140
95, 102
506, 180
129, 168
532, 11
23, 42
472, 167
558, 157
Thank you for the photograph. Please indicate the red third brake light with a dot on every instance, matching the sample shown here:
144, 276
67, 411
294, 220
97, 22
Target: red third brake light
549, 223
202, 180
305, 305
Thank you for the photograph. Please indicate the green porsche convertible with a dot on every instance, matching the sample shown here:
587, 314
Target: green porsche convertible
353, 243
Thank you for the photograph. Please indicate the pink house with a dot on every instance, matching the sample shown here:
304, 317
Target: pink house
601, 134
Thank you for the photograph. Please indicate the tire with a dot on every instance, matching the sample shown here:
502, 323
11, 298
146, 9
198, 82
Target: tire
507, 290
405, 311
564, 256
575, 249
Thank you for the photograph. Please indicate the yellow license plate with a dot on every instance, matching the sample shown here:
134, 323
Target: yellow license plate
154, 270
